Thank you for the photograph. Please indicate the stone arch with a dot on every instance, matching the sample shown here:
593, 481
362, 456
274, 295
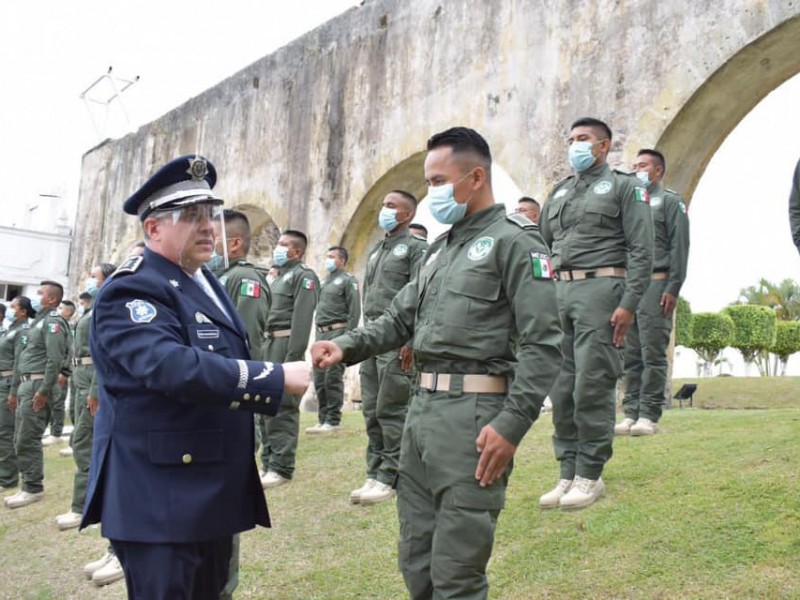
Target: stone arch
264, 233
716, 108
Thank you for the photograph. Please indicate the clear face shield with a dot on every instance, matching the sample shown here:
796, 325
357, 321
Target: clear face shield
196, 238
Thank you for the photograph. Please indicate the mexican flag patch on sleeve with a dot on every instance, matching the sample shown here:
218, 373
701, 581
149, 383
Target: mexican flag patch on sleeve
308, 283
250, 288
642, 195
540, 263
53, 328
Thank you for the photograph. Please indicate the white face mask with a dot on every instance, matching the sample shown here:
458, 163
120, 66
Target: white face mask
644, 177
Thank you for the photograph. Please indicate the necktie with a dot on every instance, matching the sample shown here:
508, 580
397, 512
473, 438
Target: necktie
200, 280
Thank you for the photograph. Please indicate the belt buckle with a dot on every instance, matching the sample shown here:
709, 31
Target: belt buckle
590, 275
434, 382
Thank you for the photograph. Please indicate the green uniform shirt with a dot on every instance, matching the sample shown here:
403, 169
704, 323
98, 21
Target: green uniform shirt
11, 344
671, 234
391, 264
45, 348
601, 218
249, 292
794, 207
294, 297
339, 301
484, 303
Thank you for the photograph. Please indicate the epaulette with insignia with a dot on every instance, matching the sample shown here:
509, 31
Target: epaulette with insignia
628, 173
419, 237
672, 192
521, 220
129, 266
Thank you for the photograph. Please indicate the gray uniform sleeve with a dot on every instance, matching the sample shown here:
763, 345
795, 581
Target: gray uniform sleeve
353, 303
794, 207
393, 329
56, 343
678, 235
539, 336
544, 224
637, 226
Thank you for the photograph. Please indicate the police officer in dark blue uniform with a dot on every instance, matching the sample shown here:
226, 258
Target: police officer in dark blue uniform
173, 474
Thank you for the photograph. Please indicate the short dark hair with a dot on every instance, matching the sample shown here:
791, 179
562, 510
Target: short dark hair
299, 238
463, 140
240, 224
275, 267
139, 244
343, 254
84, 296
407, 195
593, 123
59, 289
660, 160
419, 226
68, 304
107, 269
25, 304
530, 200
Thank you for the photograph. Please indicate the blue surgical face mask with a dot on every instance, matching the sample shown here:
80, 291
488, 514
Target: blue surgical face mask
442, 203
81, 311
330, 265
580, 156
644, 177
387, 219
36, 303
91, 286
280, 256
216, 262
10, 317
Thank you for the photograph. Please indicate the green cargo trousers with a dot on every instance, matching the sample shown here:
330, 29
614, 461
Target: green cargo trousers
82, 436
279, 433
56, 409
9, 471
646, 357
385, 393
329, 385
28, 441
447, 521
583, 395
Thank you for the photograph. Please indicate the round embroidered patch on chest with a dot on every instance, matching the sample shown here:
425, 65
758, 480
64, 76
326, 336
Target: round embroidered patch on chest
480, 249
400, 250
602, 187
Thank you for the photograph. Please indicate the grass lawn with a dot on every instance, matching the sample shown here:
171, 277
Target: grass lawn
708, 508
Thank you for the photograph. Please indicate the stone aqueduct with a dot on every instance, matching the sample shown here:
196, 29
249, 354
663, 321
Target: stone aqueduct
312, 136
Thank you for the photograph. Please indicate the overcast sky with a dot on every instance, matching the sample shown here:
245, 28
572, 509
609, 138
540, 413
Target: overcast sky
53, 50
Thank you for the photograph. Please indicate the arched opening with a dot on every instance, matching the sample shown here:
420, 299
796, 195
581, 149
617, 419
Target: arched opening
264, 234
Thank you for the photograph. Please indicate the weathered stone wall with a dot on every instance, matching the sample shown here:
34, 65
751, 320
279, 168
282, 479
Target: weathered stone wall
311, 136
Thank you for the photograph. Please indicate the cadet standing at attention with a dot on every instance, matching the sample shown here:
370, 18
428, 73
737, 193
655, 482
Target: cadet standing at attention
11, 345
338, 312
245, 283
648, 339
386, 379
38, 367
600, 232
486, 338
294, 297
56, 405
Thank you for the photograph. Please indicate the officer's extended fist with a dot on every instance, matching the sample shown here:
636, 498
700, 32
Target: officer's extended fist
325, 354
296, 377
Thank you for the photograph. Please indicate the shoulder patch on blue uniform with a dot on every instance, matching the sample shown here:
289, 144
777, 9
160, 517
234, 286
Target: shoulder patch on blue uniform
521, 220
129, 266
141, 311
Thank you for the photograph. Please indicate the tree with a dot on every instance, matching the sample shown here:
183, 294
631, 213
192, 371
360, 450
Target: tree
787, 342
710, 334
754, 333
783, 298
683, 323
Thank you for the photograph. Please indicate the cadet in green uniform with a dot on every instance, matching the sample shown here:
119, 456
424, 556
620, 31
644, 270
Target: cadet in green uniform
11, 344
529, 207
338, 311
245, 283
386, 379
648, 339
794, 207
600, 232
294, 297
486, 336
248, 289
32, 387
56, 406
85, 400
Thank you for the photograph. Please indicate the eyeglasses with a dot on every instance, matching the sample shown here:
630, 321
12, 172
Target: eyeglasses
194, 213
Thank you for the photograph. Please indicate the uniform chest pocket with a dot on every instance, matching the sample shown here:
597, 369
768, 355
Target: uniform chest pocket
472, 300
601, 212
186, 447
395, 274
207, 336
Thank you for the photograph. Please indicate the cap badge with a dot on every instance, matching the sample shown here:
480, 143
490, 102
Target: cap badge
197, 168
